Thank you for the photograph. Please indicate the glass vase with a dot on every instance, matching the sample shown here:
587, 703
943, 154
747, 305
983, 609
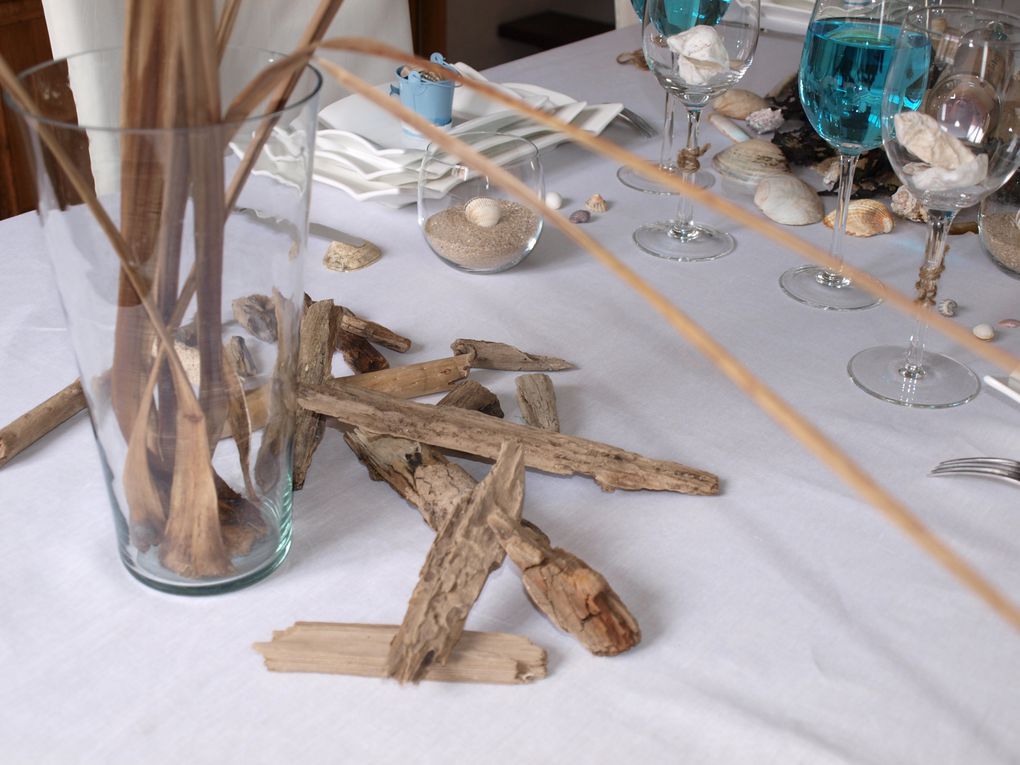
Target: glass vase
184, 318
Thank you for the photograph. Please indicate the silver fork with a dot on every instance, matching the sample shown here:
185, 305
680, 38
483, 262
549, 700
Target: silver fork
993, 467
639, 122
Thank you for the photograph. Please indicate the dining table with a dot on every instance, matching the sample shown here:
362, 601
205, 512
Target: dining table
784, 620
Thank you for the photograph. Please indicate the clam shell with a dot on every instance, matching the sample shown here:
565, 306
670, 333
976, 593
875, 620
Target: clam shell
750, 162
739, 103
596, 203
728, 127
482, 211
788, 200
341, 256
866, 217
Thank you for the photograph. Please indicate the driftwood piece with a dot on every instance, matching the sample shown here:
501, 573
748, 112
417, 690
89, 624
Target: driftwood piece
474, 396
574, 596
257, 314
37, 422
489, 355
412, 380
537, 401
361, 650
376, 333
360, 355
571, 594
240, 357
319, 329
476, 434
463, 554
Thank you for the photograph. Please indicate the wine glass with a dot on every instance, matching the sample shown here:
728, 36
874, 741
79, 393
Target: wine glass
697, 50
630, 177
952, 139
843, 69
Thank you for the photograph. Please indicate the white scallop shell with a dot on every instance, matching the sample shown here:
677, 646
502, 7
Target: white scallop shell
749, 162
482, 211
865, 217
788, 200
738, 104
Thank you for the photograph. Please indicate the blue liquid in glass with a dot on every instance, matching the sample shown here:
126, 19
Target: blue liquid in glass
843, 72
681, 15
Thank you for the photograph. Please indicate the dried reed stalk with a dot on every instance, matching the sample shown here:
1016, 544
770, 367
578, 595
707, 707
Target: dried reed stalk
770, 402
225, 26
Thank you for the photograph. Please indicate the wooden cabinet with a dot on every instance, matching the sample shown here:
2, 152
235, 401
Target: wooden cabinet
23, 43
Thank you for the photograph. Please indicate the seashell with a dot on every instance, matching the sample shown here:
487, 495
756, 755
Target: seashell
828, 168
765, 120
788, 200
947, 307
554, 200
596, 203
1009, 323
983, 332
945, 162
482, 211
749, 162
580, 216
739, 103
341, 256
700, 54
727, 127
907, 206
865, 217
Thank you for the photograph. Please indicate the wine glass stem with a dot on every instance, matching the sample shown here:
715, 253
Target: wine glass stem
847, 165
927, 286
666, 159
684, 220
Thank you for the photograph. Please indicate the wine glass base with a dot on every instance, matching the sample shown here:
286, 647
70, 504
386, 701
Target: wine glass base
817, 288
699, 243
940, 383
633, 179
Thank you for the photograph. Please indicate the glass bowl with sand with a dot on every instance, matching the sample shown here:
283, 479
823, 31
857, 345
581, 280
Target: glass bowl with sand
999, 224
468, 221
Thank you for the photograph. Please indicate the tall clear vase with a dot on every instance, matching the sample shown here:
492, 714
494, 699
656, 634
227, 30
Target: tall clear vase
183, 312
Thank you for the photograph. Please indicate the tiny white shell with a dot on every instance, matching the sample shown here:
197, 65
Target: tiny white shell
554, 200
482, 211
596, 203
983, 332
947, 307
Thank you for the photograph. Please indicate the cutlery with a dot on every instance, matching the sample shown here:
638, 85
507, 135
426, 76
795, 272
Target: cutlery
993, 467
637, 121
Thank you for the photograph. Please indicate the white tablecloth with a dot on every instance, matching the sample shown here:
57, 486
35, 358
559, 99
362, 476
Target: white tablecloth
784, 621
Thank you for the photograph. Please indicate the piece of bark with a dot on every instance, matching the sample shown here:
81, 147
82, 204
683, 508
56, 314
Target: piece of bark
537, 401
474, 396
319, 329
361, 650
463, 554
574, 596
412, 380
257, 401
240, 357
489, 355
257, 314
360, 355
40, 420
376, 333
477, 434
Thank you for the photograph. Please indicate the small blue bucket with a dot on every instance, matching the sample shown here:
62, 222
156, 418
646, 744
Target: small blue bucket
433, 100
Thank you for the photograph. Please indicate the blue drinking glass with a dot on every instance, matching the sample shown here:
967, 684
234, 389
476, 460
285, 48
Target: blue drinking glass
843, 67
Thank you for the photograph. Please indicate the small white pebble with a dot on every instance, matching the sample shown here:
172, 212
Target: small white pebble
983, 332
554, 200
